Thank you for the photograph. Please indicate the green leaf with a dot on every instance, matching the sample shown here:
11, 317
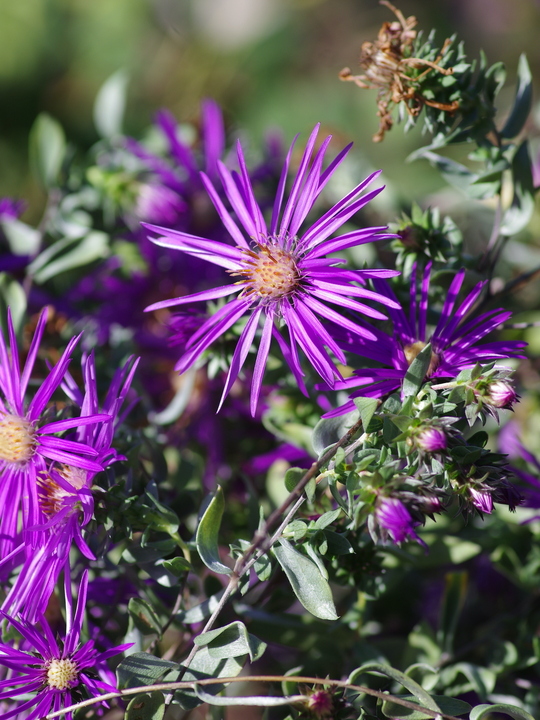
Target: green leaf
523, 101
454, 597
263, 567
326, 519
232, 640
200, 612
147, 706
204, 666
258, 700
95, 246
110, 104
450, 706
22, 238
177, 566
164, 519
415, 375
207, 534
422, 697
143, 616
14, 297
366, 407
47, 149
337, 543
329, 430
453, 172
520, 212
308, 584
293, 477
486, 711
143, 669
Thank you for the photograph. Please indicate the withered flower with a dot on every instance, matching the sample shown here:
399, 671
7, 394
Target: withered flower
389, 66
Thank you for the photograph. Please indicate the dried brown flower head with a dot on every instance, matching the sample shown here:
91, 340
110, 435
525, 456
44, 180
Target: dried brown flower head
385, 63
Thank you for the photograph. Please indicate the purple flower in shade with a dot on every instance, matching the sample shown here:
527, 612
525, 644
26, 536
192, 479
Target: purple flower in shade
482, 500
176, 181
29, 444
394, 518
283, 275
11, 209
158, 204
455, 341
53, 669
510, 443
65, 501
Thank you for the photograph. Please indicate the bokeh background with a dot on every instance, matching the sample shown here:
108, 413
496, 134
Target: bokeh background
268, 62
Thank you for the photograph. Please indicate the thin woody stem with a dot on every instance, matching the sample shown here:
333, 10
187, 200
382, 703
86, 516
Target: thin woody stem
161, 687
260, 540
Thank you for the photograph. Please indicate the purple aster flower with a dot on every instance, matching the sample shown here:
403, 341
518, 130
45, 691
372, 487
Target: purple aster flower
50, 668
394, 518
283, 275
455, 341
65, 501
29, 443
175, 180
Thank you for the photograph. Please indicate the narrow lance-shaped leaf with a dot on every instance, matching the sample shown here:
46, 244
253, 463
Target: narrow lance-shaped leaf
47, 149
308, 584
207, 534
415, 375
481, 712
523, 102
110, 104
520, 212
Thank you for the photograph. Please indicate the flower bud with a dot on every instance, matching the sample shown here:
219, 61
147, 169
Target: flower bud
431, 439
158, 204
320, 703
501, 394
481, 500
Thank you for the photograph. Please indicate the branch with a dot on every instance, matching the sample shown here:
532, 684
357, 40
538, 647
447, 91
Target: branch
164, 687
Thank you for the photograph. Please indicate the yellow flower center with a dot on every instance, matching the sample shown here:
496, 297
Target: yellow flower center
414, 349
52, 495
17, 444
272, 273
62, 674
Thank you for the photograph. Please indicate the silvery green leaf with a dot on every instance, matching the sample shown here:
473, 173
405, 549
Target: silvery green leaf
47, 149
94, 246
422, 697
142, 669
329, 430
481, 712
520, 212
200, 612
232, 640
204, 666
523, 101
22, 238
110, 104
14, 297
415, 375
366, 407
308, 584
207, 534
147, 706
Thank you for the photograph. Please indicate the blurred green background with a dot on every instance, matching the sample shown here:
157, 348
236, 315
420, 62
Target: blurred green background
268, 62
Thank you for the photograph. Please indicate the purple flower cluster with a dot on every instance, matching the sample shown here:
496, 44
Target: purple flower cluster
50, 452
